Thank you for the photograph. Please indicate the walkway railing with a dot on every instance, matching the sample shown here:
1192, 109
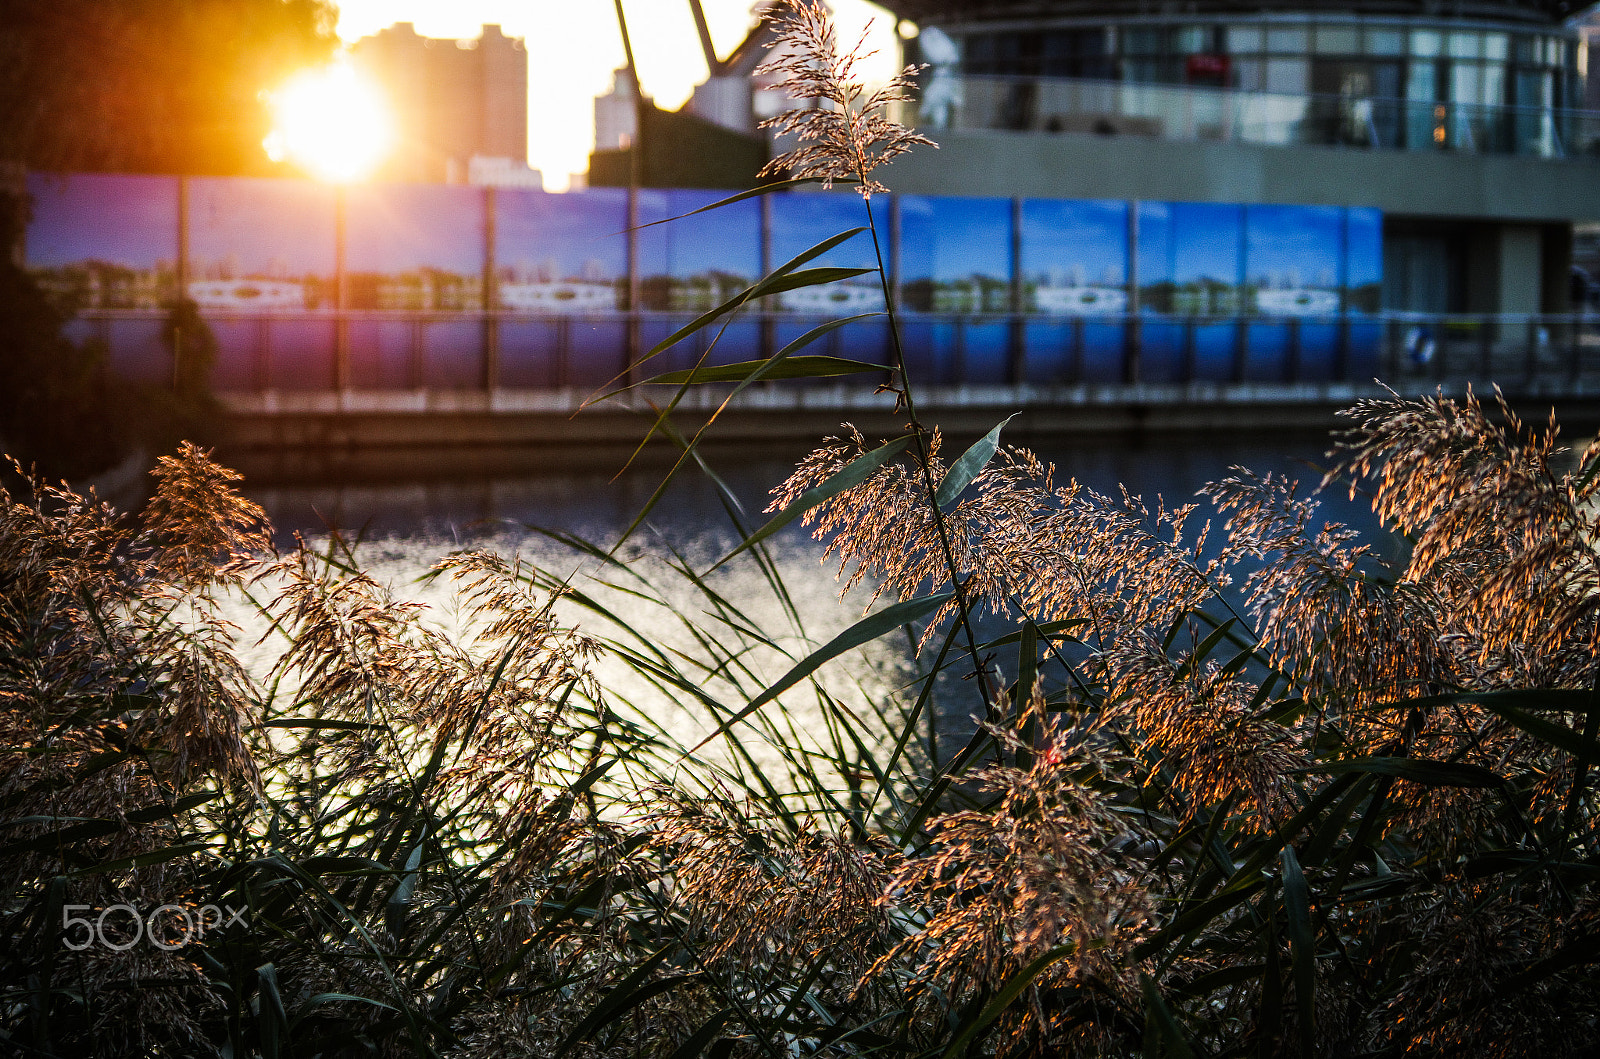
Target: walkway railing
377, 351
1190, 112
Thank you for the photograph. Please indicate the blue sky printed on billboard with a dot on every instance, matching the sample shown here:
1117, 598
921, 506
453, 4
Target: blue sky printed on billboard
955, 257
1189, 257
560, 257
123, 220
104, 241
801, 221
561, 253
955, 254
1292, 259
1190, 260
1074, 263
267, 246
724, 241
690, 264
415, 247
1293, 265
260, 245
1074, 256
1363, 279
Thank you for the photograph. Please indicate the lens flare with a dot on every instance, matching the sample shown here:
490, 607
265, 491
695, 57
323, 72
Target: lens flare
331, 122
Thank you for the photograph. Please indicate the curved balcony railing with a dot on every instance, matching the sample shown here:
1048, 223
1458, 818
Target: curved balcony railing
1196, 113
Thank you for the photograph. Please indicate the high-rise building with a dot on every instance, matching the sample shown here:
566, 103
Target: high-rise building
453, 100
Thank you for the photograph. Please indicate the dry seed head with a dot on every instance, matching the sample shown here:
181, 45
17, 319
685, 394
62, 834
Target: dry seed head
1050, 864
843, 131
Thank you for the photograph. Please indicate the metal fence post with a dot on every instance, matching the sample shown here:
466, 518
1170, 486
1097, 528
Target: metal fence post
341, 291
491, 316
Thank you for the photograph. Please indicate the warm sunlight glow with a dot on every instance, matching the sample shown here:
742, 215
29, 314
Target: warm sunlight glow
330, 122
574, 47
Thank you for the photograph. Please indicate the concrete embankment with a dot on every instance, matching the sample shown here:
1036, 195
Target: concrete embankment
381, 435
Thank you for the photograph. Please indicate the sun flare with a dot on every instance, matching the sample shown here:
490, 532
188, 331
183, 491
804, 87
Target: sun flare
332, 123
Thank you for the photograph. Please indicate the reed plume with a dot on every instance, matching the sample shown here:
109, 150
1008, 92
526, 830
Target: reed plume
843, 129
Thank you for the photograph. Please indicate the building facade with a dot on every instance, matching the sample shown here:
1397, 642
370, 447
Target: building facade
457, 100
1464, 125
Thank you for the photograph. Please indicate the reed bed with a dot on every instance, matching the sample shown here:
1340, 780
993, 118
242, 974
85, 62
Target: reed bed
1238, 787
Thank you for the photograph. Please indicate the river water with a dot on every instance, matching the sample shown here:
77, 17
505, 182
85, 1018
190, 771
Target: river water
598, 502
406, 526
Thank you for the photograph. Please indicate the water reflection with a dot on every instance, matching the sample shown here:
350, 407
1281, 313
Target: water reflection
598, 505
407, 526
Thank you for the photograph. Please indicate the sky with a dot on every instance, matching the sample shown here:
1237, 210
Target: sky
1060, 234
948, 239
574, 46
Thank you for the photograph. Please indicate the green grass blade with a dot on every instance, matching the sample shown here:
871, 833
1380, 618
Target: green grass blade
697, 374
701, 1039
1302, 944
624, 996
274, 1019
967, 468
867, 629
850, 475
1418, 770
1204, 649
1162, 1034
1009, 992
754, 370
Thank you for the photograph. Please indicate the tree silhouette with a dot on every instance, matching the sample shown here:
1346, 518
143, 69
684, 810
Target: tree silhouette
154, 86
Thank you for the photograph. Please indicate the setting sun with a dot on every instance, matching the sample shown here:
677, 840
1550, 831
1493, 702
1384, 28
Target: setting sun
330, 122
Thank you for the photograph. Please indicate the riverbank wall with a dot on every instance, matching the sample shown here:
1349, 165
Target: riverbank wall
377, 435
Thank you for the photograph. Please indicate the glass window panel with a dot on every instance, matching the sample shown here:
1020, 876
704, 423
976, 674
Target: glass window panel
1526, 49
1288, 40
1191, 40
1424, 121
1494, 85
1557, 52
1337, 40
1244, 40
1466, 84
1287, 76
1466, 45
1386, 42
1496, 45
1143, 71
1249, 74
1425, 42
1142, 42
1422, 82
978, 53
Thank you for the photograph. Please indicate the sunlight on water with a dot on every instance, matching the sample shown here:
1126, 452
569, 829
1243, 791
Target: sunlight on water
406, 527
717, 643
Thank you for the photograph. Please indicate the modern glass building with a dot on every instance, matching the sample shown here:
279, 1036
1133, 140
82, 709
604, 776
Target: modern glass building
1461, 122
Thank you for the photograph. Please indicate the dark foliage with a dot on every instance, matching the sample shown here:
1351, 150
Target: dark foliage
151, 86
